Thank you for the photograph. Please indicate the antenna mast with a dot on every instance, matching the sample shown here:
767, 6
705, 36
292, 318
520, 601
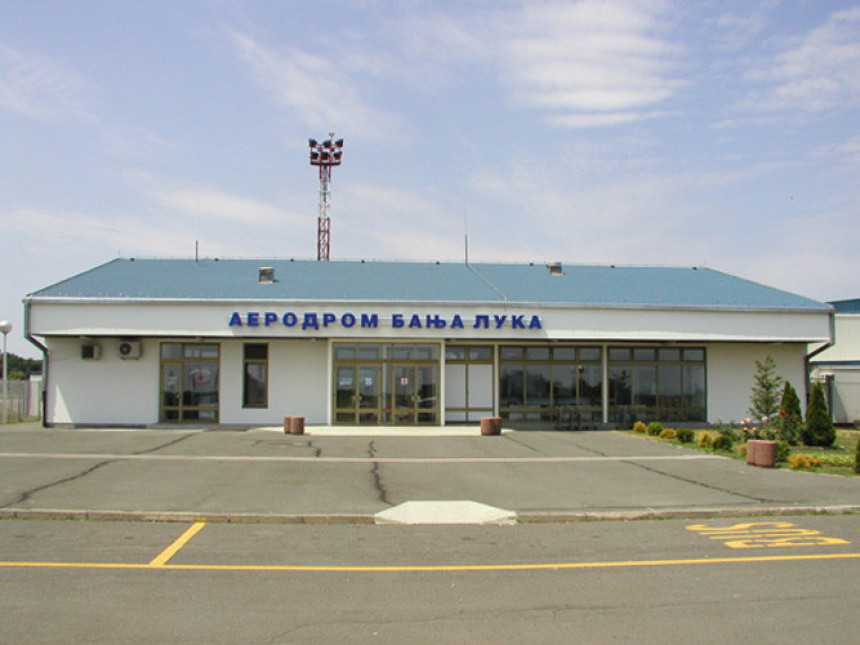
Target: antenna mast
325, 155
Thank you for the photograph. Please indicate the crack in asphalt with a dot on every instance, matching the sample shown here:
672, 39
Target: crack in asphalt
163, 445
761, 500
28, 494
382, 494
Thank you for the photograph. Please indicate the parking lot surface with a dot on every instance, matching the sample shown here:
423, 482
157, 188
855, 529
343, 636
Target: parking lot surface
261, 474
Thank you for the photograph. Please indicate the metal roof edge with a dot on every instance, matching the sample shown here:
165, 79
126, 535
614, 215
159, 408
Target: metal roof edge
423, 303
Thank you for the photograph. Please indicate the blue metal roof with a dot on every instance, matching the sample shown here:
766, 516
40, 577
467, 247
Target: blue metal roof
418, 282
847, 306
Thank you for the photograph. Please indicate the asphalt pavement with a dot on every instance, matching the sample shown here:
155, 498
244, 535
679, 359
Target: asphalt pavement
334, 475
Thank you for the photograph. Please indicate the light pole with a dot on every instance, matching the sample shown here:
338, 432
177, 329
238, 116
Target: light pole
325, 155
5, 328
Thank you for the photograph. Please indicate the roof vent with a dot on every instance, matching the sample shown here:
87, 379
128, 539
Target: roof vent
267, 275
554, 268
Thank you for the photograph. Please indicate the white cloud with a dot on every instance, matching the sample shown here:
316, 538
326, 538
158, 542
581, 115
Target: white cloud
590, 63
318, 89
40, 87
206, 203
89, 234
821, 72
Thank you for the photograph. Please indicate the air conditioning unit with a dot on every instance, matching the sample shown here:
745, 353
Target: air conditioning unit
91, 352
129, 350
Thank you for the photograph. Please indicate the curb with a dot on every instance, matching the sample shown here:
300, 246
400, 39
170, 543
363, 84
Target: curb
346, 518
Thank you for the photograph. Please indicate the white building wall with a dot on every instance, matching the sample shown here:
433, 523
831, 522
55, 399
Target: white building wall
847, 345
109, 390
298, 383
731, 375
212, 320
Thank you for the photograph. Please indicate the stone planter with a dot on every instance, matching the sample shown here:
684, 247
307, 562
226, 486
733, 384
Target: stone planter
491, 426
294, 425
761, 453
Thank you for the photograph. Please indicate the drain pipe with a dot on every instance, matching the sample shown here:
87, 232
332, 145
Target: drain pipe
45, 362
830, 343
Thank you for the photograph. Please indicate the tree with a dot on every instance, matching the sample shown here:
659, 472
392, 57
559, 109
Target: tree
21, 368
765, 392
790, 416
819, 430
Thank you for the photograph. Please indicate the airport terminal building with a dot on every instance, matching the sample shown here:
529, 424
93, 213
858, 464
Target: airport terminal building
139, 342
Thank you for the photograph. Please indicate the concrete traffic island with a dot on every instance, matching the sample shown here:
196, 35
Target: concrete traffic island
445, 512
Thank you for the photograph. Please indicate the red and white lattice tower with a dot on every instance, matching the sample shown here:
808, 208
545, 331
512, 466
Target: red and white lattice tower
325, 155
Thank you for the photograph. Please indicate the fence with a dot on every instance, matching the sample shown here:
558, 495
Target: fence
23, 399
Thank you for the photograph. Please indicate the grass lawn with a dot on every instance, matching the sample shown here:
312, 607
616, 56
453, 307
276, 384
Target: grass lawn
835, 460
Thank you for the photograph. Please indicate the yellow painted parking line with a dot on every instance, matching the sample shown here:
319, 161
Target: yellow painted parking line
162, 558
443, 568
758, 535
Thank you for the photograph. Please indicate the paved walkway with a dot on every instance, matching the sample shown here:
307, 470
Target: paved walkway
337, 474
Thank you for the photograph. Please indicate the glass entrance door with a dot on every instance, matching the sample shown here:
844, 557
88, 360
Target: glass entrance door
357, 394
415, 393
386, 383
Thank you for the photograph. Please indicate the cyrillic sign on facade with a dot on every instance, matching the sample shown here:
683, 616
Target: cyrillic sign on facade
324, 320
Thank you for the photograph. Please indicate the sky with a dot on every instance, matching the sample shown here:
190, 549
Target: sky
718, 133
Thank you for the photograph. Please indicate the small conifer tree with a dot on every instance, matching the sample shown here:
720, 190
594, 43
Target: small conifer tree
819, 430
790, 416
765, 392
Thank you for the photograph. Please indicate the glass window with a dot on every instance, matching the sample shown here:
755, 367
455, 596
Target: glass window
589, 354
426, 352
511, 382
402, 352
645, 385
564, 354
455, 353
619, 385
511, 353
258, 351
344, 352
255, 381
537, 353
590, 385
563, 385
201, 351
669, 354
479, 353
694, 355
538, 386
366, 352
643, 354
619, 353
171, 350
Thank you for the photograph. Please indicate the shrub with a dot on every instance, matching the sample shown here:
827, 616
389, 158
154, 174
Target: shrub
783, 449
857, 458
803, 462
685, 435
742, 450
705, 440
723, 442
668, 433
730, 432
819, 430
655, 428
640, 427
